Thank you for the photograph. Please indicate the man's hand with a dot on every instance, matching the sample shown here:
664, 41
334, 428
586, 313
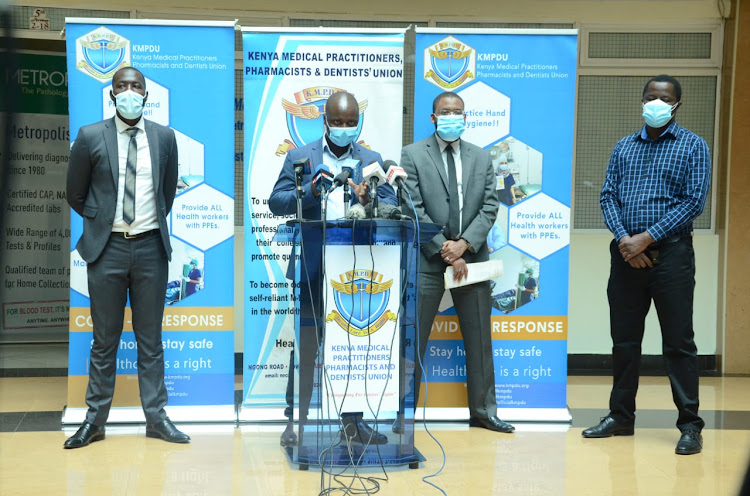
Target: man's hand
632, 246
362, 191
460, 269
640, 261
453, 250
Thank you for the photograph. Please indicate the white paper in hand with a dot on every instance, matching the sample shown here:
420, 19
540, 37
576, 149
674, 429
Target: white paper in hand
478, 272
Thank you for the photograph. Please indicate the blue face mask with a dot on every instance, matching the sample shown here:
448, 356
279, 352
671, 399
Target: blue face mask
343, 136
129, 104
450, 127
656, 113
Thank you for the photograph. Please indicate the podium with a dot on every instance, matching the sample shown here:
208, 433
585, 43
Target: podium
355, 323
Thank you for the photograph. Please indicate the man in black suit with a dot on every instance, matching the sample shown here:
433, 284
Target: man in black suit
452, 183
122, 179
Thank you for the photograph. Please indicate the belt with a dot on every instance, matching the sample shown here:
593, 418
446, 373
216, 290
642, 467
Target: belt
146, 234
670, 240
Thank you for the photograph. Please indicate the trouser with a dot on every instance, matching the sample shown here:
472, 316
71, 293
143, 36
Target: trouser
670, 284
136, 268
473, 305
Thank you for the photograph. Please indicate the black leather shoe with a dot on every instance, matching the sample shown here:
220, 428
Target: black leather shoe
85, 435
608, 427
288, 437
398, 424
690, 443
167, 431
355, 429
492, 423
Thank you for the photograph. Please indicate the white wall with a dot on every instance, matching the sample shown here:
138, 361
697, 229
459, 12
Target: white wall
589, 310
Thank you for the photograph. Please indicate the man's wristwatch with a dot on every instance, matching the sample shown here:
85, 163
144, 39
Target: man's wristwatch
468, 245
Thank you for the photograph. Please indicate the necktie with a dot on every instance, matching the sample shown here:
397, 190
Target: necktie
128, 199
454, 216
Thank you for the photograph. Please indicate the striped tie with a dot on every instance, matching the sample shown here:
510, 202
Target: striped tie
128, 199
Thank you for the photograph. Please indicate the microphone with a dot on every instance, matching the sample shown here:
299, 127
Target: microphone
358, 211
341, 178
323, 178
385, 211
391, 212
300, 165
375, 175
396, 176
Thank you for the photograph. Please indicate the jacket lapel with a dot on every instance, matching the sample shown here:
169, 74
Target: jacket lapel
433, 150
153, 145
110, 142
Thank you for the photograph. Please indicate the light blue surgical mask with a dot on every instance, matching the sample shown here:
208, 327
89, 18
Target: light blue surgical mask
657, 113
503, 166
343, 136
129, 104
450, 127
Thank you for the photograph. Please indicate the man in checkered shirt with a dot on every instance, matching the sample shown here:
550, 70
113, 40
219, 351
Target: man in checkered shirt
656, 184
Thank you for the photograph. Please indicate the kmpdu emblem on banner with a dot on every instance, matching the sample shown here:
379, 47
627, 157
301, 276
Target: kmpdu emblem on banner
449, 63
101, 53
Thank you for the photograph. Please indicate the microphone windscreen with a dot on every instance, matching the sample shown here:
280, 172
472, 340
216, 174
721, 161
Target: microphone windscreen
357, 212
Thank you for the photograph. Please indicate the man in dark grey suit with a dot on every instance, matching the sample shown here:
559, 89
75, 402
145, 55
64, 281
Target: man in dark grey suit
452, 183
122, 179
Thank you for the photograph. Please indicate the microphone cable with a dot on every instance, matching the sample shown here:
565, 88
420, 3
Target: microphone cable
421, 365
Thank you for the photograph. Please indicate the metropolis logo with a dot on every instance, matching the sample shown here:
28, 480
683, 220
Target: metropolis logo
449, 63
361, 299
101, 53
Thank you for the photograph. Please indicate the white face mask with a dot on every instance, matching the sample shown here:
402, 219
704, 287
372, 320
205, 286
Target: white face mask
657, 113
129, 104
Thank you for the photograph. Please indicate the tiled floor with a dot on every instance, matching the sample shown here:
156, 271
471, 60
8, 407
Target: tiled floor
536, 460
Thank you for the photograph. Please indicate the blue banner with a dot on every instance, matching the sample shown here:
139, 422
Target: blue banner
189, 71
288, 76
518, 89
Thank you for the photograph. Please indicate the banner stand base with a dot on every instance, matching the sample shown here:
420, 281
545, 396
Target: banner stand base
134, 415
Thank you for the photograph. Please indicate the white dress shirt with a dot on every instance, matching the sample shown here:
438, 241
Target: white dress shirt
459, 172
335, 207
145, 198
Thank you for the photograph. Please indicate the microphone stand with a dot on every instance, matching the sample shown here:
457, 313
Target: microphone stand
347, 198
298, 172
374, 189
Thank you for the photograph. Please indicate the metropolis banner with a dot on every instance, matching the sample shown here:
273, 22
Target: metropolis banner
518, 87
189, 71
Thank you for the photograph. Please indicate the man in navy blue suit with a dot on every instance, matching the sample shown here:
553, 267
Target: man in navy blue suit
336, 149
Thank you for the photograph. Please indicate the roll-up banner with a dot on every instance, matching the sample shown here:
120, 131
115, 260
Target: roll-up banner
288, 75
518, 88
189, 71
34, 240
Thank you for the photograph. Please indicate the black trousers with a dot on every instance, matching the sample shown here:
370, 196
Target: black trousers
309, 342
136, 268
670, 284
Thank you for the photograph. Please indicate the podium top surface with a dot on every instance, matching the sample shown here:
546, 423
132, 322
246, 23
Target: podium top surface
363, 231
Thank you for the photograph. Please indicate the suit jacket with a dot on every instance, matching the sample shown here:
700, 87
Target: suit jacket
283, 200
428, 183
92, 181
